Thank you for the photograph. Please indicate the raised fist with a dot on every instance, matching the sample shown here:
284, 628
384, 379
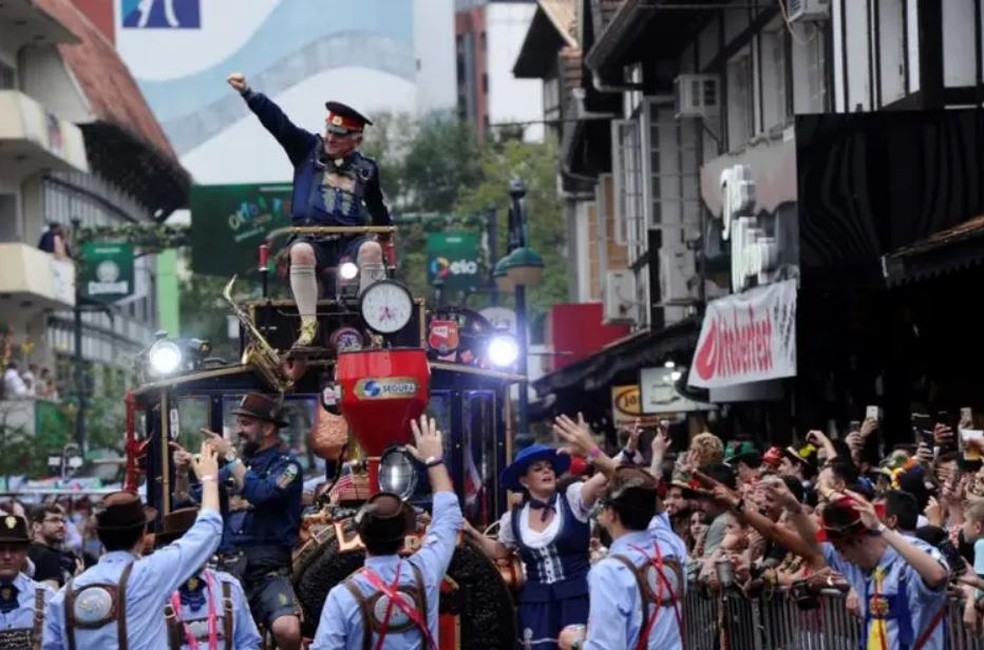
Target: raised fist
238, 82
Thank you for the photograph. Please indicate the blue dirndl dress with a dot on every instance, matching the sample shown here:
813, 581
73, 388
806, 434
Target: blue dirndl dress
556, 590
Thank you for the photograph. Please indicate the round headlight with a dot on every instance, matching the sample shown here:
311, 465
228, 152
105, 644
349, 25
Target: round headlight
503, 350
164, 357
397, 473
348, 271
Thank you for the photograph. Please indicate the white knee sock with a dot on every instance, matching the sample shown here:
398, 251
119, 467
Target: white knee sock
304, 285
369, 272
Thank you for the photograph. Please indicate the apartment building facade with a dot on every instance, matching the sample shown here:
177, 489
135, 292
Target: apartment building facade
78, 145
750, 147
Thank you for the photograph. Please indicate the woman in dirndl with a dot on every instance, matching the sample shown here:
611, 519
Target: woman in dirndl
551, 533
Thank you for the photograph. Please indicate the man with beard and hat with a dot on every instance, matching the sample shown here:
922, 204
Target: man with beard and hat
334, 185
209, 610
118, 602
264, 518
22, 600
637, 590
391, 602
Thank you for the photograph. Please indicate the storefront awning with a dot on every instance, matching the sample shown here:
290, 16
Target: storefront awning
622, 35
949, 250
634, 353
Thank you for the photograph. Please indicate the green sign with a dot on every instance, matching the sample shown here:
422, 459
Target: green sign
229, 222
107, 271
452, 258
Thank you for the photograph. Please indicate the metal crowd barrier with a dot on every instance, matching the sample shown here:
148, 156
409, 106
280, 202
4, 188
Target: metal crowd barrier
730, 621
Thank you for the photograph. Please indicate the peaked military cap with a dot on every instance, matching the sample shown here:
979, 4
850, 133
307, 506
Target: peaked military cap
13, 529
343, 119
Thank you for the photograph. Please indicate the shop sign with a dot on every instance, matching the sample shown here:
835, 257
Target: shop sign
753, 253
747, 337
229, 222
659, 395
452, 258
107, 271
627, 406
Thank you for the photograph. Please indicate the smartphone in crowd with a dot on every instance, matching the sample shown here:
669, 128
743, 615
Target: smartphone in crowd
853, 426
922, 427
871, 413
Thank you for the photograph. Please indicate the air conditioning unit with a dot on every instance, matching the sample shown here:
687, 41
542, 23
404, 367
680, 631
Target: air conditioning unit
676, 270
807, 10
619, 297
697, 95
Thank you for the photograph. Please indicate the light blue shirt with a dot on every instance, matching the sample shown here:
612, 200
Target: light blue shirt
662, 530
616, 616
152, 581
341, 619
924, 602
22, 618
245, 635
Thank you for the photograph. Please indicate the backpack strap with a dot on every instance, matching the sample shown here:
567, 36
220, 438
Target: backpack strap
363, 604
69, 614
38, 618
227, 613
418, 577
173, 627
121, 607
637, 574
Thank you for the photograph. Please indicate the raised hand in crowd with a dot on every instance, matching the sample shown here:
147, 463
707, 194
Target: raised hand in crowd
580, 440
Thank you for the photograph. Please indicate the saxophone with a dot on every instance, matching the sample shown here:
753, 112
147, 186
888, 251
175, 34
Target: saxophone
258, 352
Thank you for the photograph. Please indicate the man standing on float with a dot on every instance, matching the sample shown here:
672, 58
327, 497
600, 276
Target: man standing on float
334, 185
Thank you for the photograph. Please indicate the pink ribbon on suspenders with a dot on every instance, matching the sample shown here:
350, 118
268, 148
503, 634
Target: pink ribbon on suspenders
213, 626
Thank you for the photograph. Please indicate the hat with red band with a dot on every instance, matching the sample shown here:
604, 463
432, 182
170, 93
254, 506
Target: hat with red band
343, 119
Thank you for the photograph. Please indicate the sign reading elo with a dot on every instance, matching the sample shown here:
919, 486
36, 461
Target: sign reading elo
452, 258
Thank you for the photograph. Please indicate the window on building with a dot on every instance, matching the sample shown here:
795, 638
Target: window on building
816, 74
741, 108
773, 48
551, 99
8, 218
8, 77
628, 171
485, 83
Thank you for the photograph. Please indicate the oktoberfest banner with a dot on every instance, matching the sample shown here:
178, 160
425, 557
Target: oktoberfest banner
747, 337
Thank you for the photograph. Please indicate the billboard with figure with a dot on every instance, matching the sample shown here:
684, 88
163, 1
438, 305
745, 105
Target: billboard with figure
375, 55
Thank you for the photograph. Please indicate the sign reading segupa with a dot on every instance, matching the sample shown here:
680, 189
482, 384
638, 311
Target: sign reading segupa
747, 337
386, 388
229, 222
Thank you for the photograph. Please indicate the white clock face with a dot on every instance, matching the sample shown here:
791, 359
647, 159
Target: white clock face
386, 307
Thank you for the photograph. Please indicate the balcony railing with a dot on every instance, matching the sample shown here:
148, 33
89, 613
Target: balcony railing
32, 280
33, 138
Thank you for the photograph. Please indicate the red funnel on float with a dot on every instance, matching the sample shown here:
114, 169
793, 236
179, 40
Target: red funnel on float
382, 390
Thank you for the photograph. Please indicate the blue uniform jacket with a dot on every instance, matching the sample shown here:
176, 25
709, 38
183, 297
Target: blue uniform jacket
21, 594
312, 200
273, 487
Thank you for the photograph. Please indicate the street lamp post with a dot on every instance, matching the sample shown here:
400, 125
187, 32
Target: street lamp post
79, 363
521, 268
